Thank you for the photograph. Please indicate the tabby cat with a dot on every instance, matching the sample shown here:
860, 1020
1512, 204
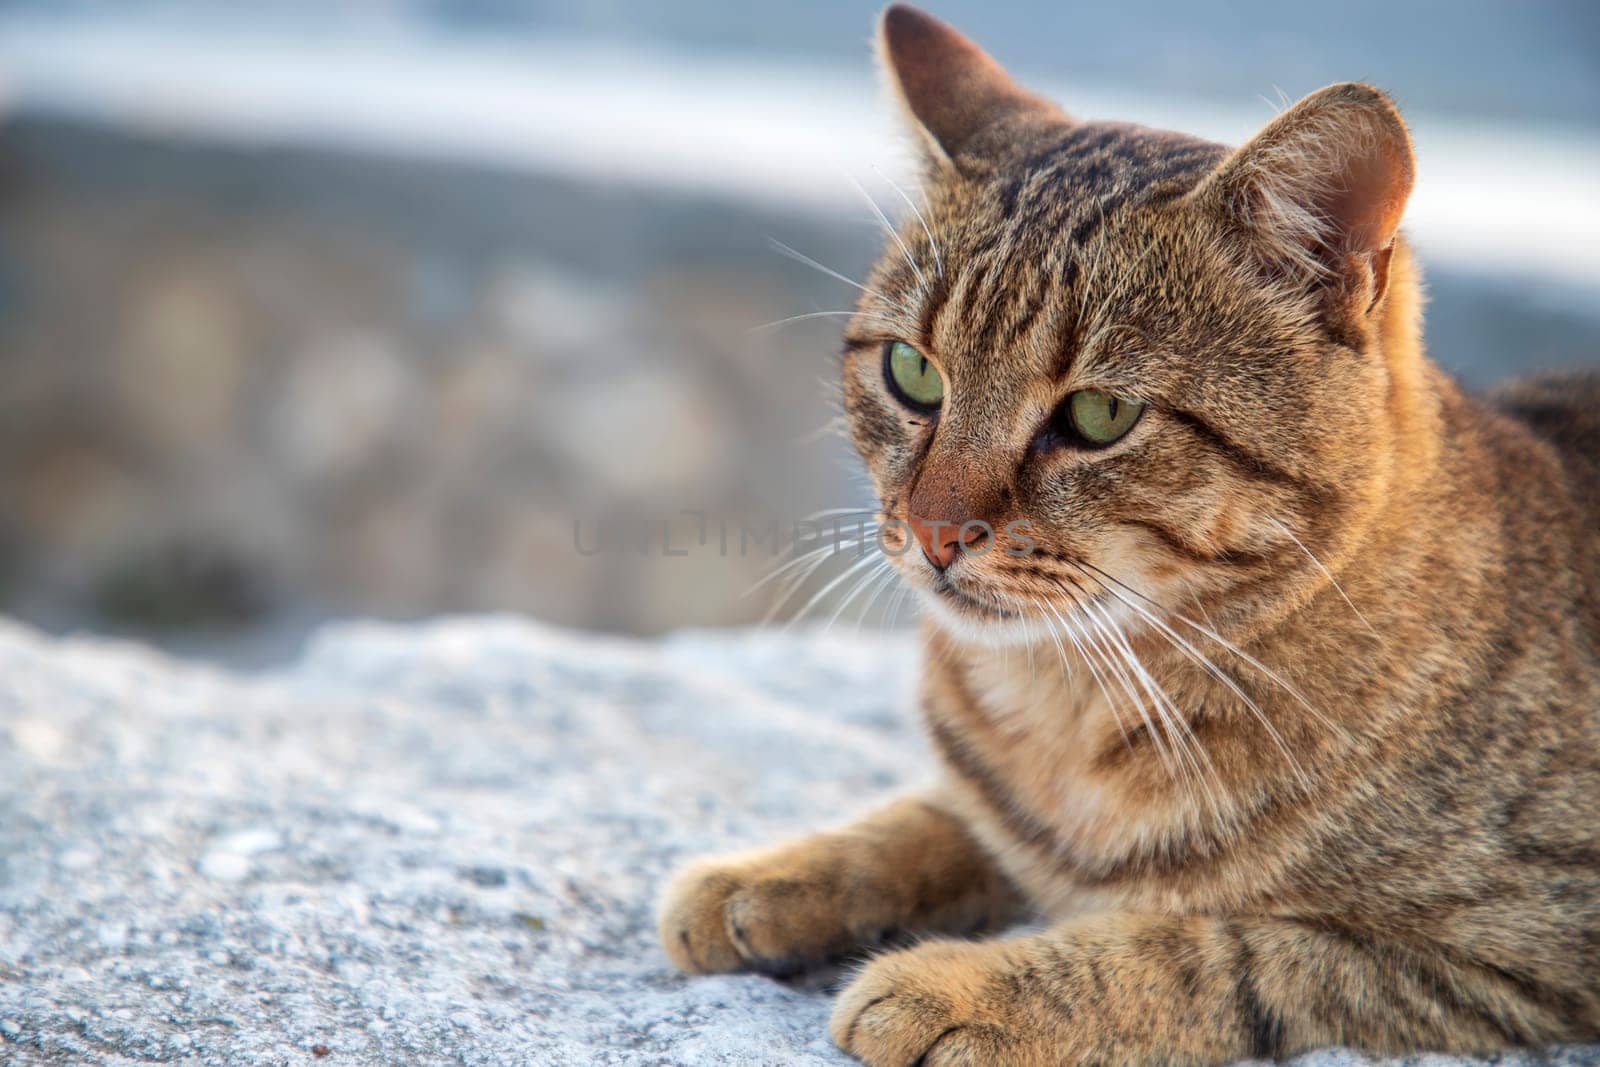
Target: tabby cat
1286, 722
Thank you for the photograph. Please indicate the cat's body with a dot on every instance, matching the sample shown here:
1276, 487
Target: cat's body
1289, 720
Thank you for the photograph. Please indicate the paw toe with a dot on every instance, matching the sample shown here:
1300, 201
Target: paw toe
693, 924
925, 1006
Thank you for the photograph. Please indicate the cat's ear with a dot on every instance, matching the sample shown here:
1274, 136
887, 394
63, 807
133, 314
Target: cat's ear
958, 98
1320, 191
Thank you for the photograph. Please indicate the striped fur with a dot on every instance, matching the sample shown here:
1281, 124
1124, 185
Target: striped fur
1351, 792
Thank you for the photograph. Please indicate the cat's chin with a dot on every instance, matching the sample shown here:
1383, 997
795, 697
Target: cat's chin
965, 620
968, 620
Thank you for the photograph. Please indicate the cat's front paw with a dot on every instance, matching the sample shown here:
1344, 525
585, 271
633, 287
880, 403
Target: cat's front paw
946, 1003
777, 912
693, 922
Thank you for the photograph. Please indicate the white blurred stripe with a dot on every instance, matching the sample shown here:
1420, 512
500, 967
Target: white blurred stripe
1491, 197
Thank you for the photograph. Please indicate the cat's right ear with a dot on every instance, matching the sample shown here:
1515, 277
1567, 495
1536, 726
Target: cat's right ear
1319, 192
961, 102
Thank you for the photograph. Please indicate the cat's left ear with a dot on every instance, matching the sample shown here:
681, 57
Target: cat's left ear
963, 103
1319, 192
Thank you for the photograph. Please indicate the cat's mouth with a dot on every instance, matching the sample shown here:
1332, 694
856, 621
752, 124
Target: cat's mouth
977, 604
951, 592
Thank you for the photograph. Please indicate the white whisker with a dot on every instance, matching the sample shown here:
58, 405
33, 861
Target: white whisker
1094, 672
1179, 729
938, 257
1194, 654
802, 318
1162, 706
873, 576
809, 562
881, 584
1094, 267
901, 596
1326, 573
801, 257
820, 551
854, 568
1096, 639
1106, 305
1207, 631
888, 226
836, 425
830, 512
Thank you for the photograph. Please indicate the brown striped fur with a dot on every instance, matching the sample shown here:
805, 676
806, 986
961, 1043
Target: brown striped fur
1371, 815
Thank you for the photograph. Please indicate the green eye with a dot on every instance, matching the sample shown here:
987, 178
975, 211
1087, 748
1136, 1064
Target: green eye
1101, 418
911, 377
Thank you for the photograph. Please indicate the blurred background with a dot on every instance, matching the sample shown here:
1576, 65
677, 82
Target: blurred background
401, 307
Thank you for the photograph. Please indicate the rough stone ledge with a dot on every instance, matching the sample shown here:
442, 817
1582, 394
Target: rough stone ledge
420, 844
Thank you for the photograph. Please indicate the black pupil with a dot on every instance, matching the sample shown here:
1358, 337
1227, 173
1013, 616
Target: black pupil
922, 367
1111, 408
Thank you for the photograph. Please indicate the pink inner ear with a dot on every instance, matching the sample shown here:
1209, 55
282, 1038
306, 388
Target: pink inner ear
1367, 211
952, 87
1327, 179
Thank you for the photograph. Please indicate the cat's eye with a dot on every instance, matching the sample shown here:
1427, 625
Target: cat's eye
911, 377
1100, 418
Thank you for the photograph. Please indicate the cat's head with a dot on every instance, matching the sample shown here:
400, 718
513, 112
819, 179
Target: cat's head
1145, 369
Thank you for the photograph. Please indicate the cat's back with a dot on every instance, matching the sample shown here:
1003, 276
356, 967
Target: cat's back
1563, 410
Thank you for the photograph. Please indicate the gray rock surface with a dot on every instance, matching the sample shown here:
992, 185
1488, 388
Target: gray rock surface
430, 844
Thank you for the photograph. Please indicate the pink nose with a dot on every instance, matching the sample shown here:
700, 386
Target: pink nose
942, 541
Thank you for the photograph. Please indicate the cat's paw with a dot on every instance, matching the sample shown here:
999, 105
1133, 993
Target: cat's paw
693, 921
777, 913
942, 1004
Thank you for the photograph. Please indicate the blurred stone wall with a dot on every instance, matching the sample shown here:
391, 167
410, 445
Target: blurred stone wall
244, 390
249, 386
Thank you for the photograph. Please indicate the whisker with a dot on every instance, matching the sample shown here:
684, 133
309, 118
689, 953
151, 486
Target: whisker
1127, 275
811, 562
1094, 268
1182, 644
874, 575
1111, 329
1326, 573
881, 584
865, 561
765, 326
938, 257
888, 226
1095, 639
1094, 672
1165, 704
894, 587
1207, 631
836, 425
1159, 700
821, 550
829, 512
1040, 607
801, 257
901, 596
